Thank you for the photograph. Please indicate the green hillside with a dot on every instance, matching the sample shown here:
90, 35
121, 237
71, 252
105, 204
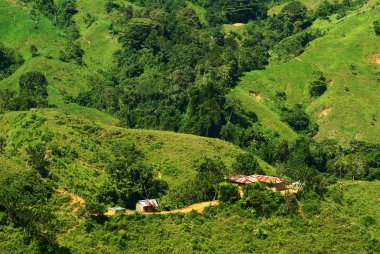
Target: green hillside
350, 107
105, 103
89, 139
343, 221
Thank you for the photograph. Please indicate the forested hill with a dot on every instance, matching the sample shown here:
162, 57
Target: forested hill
107, 102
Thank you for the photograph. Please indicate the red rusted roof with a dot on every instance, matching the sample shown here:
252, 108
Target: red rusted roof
243, 179
148, 202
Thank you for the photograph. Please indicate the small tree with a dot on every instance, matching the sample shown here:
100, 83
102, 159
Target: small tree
34, 50
33, 85
376, 27
247, 164
263, 200
210, 173
3, 143
36, 157
318, 86
228, 192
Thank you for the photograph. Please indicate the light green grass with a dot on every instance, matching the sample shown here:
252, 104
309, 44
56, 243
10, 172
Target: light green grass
354, 113
181, 151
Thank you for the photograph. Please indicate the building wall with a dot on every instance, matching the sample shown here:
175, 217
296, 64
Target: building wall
280, 186
139, 208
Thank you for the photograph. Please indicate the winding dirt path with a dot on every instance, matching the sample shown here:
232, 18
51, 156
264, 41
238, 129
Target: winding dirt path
198, 207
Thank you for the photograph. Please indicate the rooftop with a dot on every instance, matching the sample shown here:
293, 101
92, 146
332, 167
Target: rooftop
148, 202
244, 179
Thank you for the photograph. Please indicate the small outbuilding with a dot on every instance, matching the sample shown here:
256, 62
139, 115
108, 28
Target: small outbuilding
146, 206
115, 210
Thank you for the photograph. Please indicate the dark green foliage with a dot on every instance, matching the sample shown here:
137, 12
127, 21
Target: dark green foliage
373, 174
73, 51
33, 86
34, 50
311, 204
10, 60
36, 157
292, 19
132, 178
367, 220
328, 8
299, 120
3, 143
210, 173
205, 186
376, 27
228, 192
264, 201
247, 164
293, 46
318, 86
24, 198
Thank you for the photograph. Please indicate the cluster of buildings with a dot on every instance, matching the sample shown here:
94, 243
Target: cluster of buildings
279, 184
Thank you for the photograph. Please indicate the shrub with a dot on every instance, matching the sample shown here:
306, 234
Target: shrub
263, 200
33, 86
318, 86
34, 50
367, 220
376, 27
3, 143
246, 163
228, 192
296, 118
373, 174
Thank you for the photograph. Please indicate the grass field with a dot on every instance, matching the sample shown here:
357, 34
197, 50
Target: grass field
91, 137
350, 107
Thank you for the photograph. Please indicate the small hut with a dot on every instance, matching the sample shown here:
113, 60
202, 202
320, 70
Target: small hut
115, 210
146, 206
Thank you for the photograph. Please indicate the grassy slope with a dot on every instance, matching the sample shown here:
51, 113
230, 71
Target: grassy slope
352, 114
86, 172
20, 32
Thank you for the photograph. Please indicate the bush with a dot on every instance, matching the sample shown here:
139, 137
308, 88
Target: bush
376, 27
263, 200
373, 174
247, 164
33, 89
228, 192
318, 86
34, 50
297, 118
367, 220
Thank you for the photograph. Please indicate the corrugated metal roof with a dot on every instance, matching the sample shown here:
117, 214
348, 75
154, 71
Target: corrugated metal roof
148, 202
116, 208
243, 179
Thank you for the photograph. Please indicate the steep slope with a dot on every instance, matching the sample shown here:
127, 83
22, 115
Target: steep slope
350, 107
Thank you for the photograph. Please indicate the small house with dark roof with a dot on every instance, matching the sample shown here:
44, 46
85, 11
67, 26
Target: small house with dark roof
146, 205
115, 210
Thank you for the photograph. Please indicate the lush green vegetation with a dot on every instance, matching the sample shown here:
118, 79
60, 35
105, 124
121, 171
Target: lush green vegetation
104, 103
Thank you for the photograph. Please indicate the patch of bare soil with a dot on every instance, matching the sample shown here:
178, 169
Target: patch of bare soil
256, 95
324, 112
375, 58
199, 207
238, 24
11, 2
76, 200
